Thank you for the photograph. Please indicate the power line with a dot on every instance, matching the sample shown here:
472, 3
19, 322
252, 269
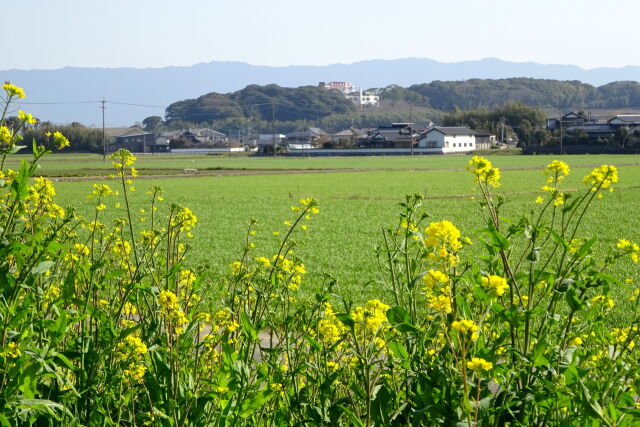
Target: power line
59, 103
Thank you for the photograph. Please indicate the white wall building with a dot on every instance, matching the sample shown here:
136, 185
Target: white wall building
353, 93
449, 140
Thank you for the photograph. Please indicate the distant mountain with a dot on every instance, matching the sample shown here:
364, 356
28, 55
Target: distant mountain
147, 87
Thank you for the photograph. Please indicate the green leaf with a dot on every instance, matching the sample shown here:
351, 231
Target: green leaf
498, 240
559, 240
59, 327
573, 300
352, 417
346, 320
27, 382
398, 350
315, 344
585, 249
247, 327
42, 267
20, 186
16, 148
397, 315
255, 402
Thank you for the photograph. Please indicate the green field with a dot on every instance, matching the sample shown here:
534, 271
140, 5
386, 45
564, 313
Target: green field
357, 196
168, 164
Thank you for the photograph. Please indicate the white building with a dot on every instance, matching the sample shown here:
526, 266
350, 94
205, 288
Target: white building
449, 140
353, 93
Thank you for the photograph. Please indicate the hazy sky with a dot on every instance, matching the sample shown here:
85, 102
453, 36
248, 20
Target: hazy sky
157, 33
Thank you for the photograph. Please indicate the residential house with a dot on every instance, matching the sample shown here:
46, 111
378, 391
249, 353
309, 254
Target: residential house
312, 136
630, 120
398, 135
133, 139
593, 131
449, 139
350, 137
203, 136
570, 119
485, 140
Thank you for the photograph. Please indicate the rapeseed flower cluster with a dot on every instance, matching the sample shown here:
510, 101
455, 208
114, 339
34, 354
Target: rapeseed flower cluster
330, 328
437, 291
628, 247
59, 140
434, 278
237, 268
123, 160
602, 177
443, 233
372, 316
440, 303
6, 137
13, 90
26, 117
184, 220
170, 310
484, 171
495, 284
41, 199
557, 170
133, 351
478, 364
625, 336
466, 328
12, 351
444, 240
223, 320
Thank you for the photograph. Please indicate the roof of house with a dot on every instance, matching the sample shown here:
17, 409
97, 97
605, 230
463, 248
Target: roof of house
359, 133
200, 131
422, 126
628, 118
482, 132
124, 131
316, 131
452, 130
573, 115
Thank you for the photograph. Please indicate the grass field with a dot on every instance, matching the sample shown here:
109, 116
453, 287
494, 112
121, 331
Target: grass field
355, 204
92, 164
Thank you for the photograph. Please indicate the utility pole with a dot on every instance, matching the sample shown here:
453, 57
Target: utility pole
273, 126
411, 127
561, 148
104, 145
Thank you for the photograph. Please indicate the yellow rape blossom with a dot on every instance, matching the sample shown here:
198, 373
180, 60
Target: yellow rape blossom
601, 177
5, 136
26, 117
478, 364
433, 278
495, 283
484, 171
557, 171
12, 351
13, 90
466, 327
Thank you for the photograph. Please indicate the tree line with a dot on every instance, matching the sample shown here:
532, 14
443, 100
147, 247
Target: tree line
511, 107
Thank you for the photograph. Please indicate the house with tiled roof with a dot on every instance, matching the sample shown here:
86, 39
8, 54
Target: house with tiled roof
449, 139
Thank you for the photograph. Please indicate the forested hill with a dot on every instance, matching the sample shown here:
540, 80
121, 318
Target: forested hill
313, 103
258, 102
475, 93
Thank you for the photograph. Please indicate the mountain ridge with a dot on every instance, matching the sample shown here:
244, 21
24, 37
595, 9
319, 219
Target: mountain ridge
155, 88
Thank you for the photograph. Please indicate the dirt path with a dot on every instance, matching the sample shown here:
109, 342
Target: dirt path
248, 172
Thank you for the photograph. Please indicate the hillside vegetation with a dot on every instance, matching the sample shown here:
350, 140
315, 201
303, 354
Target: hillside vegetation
295, 108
